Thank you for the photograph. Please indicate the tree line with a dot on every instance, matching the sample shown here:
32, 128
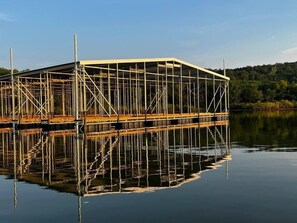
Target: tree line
265, 86
4, 71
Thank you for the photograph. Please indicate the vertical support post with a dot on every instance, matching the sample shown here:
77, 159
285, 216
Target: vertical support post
173, 104
180, 90
166, 86
136, 90
206, 93
108, 89
19, 99
190, 93
198, 93
12, 88
225, 86
48, 96
118, 92
220, 101
40, 97
124, 102
26, 100
194, 97
5, 99
228, 106
130, 92
145, 91
2, 101
225, 94
215, 143
52, 97
214, 94
93, 98
75, 81
224, 67
158, 89
63, 99
85, 97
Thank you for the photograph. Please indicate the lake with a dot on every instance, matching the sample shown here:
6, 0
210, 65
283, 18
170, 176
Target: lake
244, 171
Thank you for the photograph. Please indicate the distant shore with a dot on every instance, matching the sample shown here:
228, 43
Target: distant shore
265, 106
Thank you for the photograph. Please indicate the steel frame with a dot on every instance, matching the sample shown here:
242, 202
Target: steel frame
114, 91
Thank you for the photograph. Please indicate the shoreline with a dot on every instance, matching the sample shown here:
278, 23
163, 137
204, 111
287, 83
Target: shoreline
283, 105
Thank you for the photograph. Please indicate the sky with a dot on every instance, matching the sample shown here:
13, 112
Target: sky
202, 32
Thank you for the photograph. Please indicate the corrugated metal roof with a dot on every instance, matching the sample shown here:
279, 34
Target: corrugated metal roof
67, 66
147, 60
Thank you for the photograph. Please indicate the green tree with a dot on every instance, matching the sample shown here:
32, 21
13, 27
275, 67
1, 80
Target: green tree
250, 93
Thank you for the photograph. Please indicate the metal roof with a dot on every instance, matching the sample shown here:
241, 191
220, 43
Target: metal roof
70, 66
148, 60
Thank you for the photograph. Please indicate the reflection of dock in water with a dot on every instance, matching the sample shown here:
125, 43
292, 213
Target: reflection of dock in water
123, 161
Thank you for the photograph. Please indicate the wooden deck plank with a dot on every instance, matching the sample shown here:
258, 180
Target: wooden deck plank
114, 118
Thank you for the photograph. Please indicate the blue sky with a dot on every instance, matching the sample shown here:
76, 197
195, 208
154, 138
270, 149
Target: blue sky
203, 32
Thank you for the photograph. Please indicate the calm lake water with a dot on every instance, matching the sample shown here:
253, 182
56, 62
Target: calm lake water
245, 172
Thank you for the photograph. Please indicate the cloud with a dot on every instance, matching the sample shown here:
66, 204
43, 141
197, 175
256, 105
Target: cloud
6, 17
289, 51
288, 55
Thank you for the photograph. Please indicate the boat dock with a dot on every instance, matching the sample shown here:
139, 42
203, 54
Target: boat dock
114, 93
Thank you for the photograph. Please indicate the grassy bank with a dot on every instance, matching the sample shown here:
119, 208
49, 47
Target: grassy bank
276, 105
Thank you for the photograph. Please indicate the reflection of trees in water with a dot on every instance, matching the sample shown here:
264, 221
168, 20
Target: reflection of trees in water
276, 128
96, 164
